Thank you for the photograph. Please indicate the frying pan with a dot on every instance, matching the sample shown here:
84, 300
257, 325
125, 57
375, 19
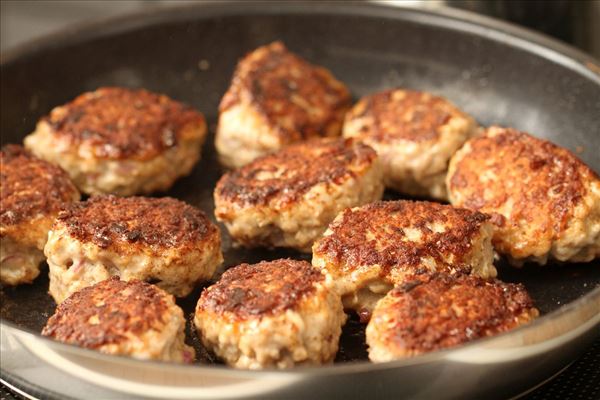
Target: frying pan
496, 72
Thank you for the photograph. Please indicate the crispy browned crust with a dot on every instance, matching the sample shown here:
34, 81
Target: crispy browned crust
267, 288
108, 313
284, 177
399, 114
281, 86
118, 123
443, 310
30, 187
375, 235
542, 181
133, 222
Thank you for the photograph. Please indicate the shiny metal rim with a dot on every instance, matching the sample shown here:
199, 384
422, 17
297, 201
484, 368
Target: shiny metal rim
569, 321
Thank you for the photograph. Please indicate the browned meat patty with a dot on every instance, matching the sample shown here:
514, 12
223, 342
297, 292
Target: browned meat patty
277, 98
368, 250
32, 192
288, 198
132, 318
414, 133
544, 202
121, 141
161, 240
443, 311
274, 314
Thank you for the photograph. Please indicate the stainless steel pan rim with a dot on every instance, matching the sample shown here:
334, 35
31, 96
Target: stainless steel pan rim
452, 18
576, 318
556, 326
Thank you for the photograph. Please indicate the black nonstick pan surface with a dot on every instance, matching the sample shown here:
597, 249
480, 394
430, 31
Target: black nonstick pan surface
497, 73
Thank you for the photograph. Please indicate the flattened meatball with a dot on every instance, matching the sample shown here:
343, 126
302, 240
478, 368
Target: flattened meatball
277, 98
287, 199
161, 240
444, 311
414, 133
132, 318
544, 202
274, 314
32, 192
368, 250
121, 141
